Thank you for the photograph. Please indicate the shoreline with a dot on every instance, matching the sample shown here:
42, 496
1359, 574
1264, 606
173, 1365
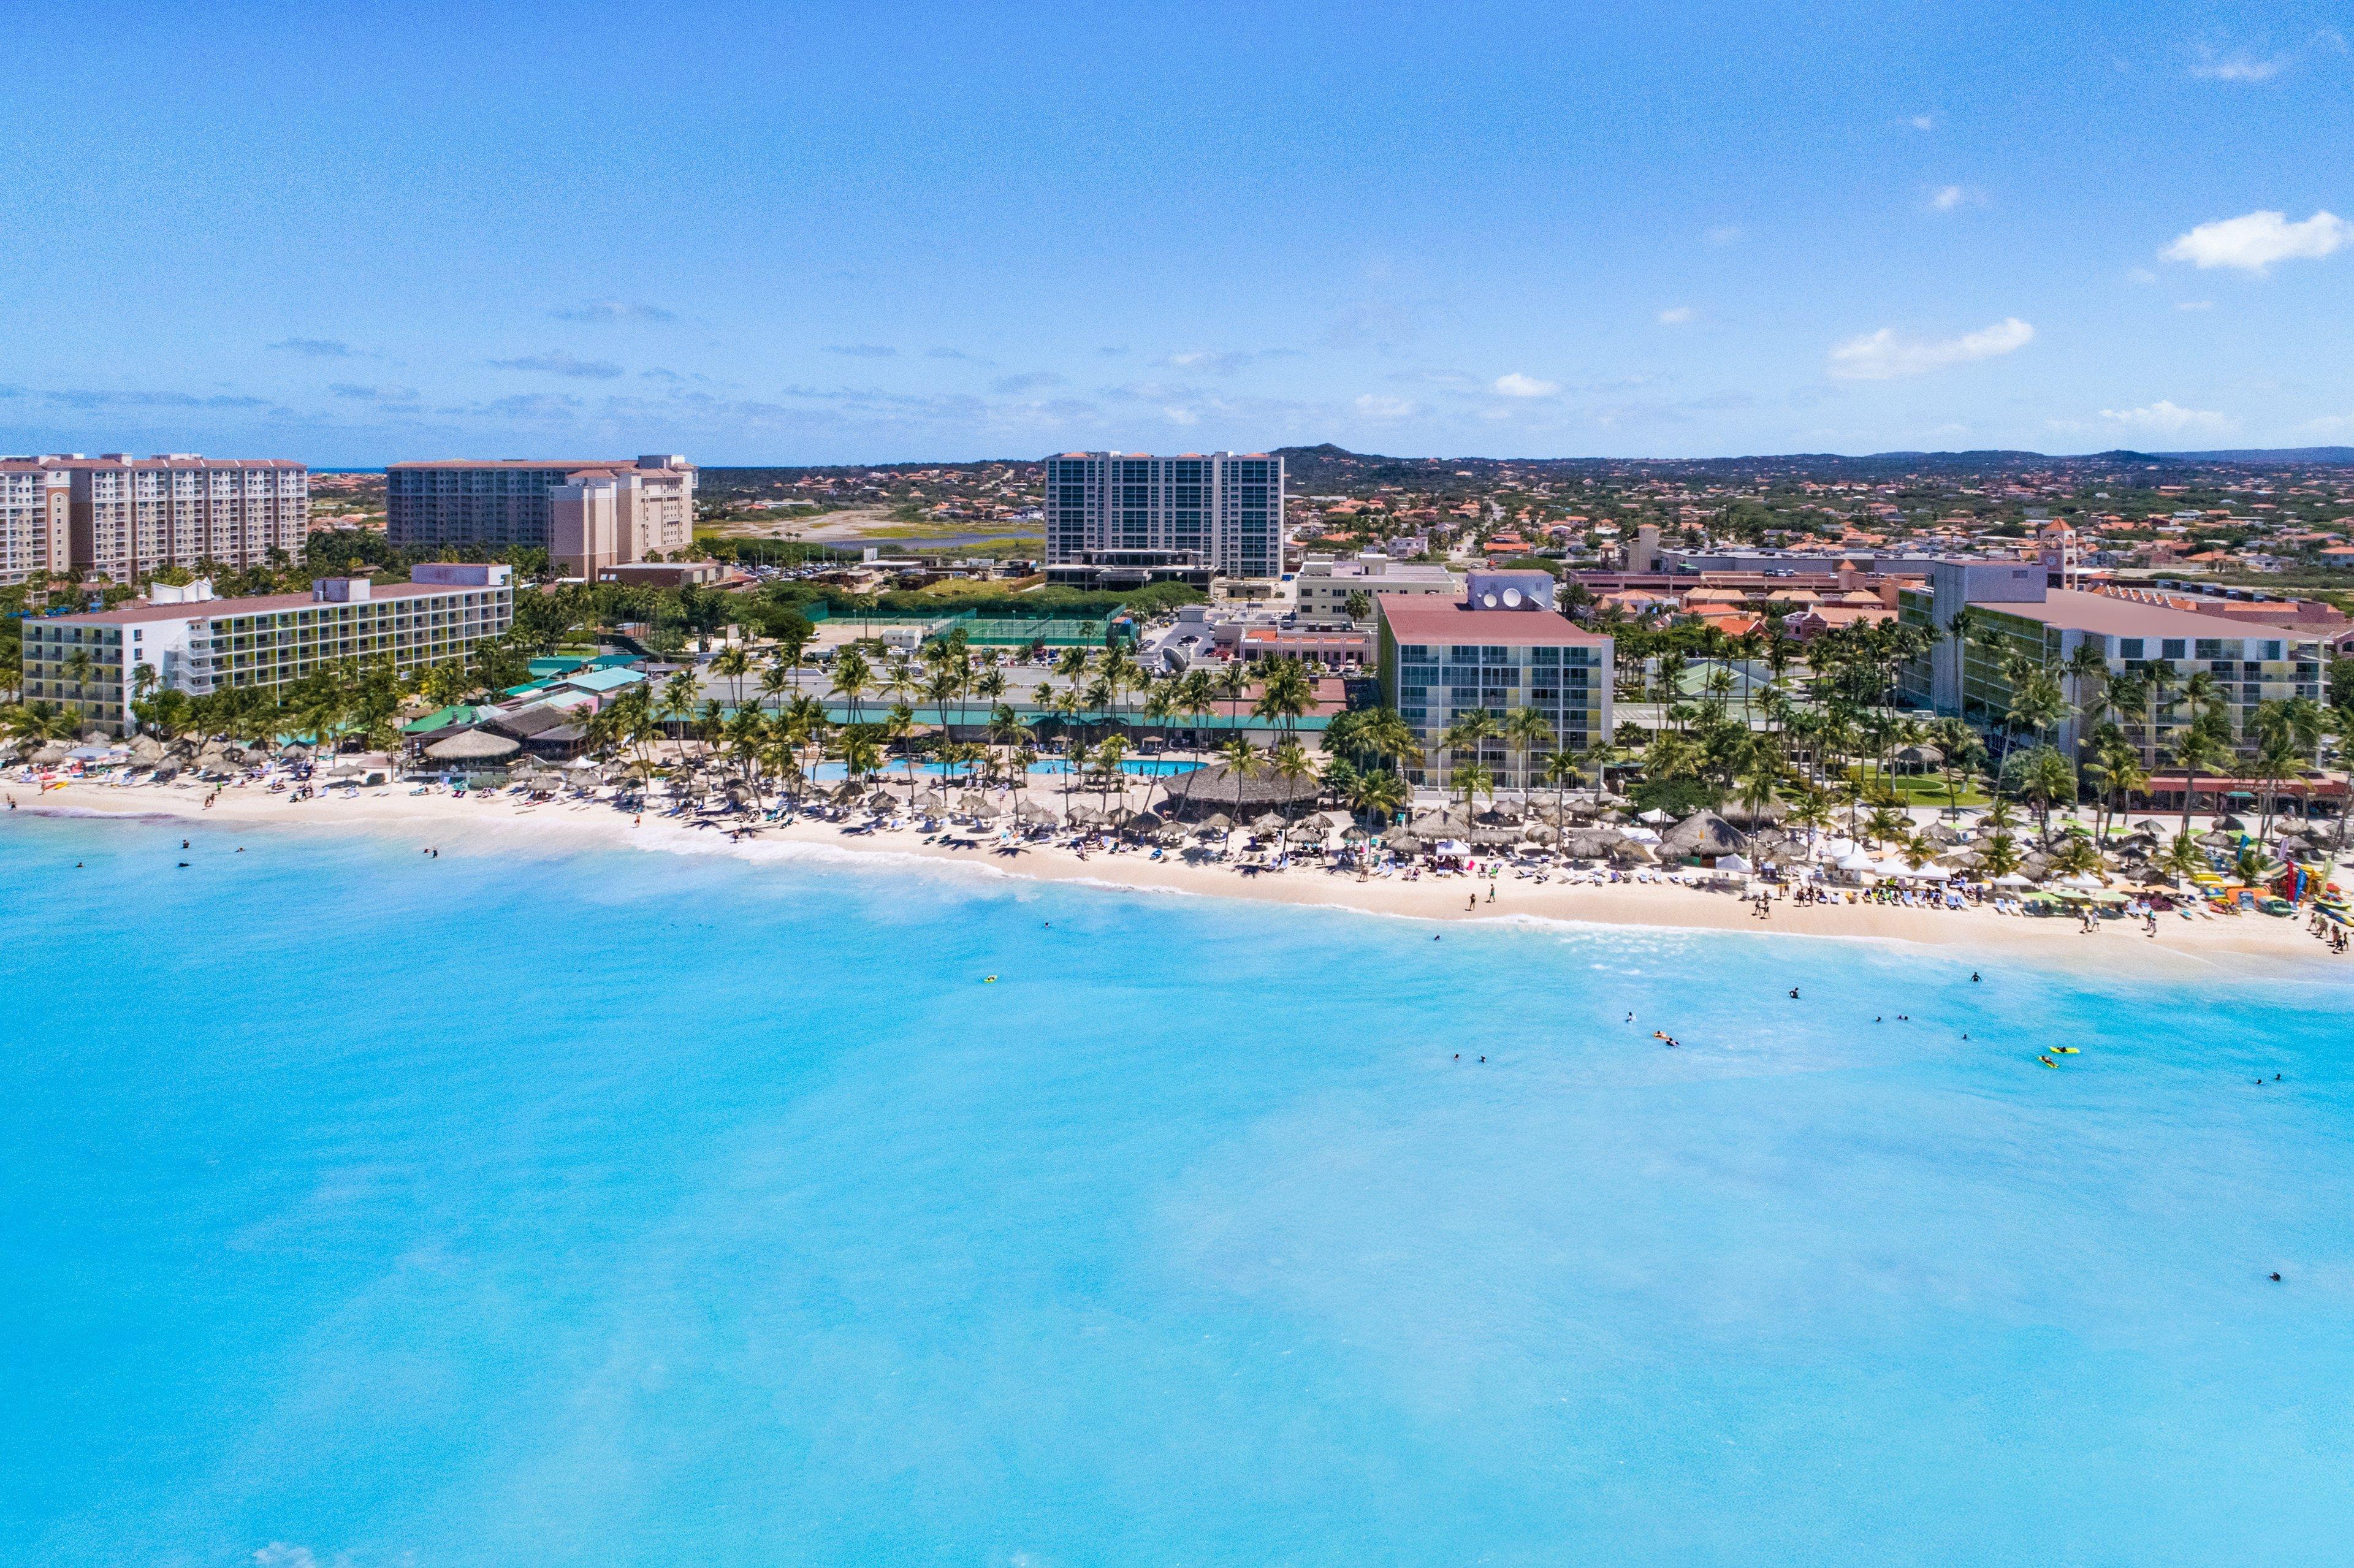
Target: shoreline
487, 824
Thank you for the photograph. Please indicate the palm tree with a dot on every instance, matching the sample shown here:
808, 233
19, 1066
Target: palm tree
1526, 731
775, 682
1109, 772
2254, 867
898, 729
2195, 750
2077, 855
732, 663
853, 677
2085, 665
1959, 750
2001, 857
860, 756
2116, 765
2048, 779
2184, 857
1285, 694
1242, 760
1197, 697
1888, 825
1562, 770
1466, 734
1233, 684
1471, 781
1289, 762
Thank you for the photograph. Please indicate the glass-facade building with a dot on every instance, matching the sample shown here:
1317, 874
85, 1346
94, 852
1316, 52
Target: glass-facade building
1441, 660
1219, 510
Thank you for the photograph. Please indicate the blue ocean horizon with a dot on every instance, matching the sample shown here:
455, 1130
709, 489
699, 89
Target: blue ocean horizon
613, 1206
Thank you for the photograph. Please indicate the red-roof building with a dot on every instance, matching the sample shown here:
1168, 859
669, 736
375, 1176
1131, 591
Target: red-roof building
1502, 649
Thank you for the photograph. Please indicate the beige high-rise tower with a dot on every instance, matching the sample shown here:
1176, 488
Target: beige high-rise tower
36, 520
131, 517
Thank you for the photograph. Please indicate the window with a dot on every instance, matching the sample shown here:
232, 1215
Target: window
2173, 648
2129, 647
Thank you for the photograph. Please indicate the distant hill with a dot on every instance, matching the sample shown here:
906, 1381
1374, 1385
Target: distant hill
1329, 467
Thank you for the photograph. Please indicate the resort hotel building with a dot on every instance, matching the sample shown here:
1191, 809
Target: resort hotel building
2014, 609
1502, 647
190, 642
586, 515
1326, 585
125, 518
1123, 519
36, 520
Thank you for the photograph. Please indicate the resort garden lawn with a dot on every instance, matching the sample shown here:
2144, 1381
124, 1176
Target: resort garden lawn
1918, 788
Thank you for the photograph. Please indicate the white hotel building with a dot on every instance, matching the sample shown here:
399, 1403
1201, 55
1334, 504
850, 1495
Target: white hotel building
1125, 518
199, 644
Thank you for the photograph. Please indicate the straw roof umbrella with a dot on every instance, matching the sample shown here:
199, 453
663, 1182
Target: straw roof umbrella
930, 800
973, 804
1216, 787
1703, 832
881, 801
1406, 842
1216, 823
1269, 823
1539, 833
471, 746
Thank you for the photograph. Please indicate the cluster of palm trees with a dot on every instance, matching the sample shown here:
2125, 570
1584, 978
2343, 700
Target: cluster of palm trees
334, 703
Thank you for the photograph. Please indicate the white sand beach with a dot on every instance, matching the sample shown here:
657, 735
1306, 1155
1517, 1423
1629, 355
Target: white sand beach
488, 824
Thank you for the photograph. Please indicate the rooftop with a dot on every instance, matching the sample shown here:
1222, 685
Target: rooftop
259, 604
2080, 611
1413, 617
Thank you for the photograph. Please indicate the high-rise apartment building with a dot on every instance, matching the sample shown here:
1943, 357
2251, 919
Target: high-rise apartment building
584, 514
130, 517
186, 639
1121, 517
36, 520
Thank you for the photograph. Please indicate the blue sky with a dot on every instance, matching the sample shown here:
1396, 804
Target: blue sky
876, 232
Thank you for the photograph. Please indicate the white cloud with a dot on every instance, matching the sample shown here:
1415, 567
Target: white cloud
2165, 416
2194, 305
1922, 121
2330, 425
615, 310
562, 365
1374, 406
2254, 241
2141, 275
2213, 67
1884, 355
1724, 234
1678, 315
1946, 199
1519, 385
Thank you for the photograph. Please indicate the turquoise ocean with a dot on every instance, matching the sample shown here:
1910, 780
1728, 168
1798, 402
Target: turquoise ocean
612, 1207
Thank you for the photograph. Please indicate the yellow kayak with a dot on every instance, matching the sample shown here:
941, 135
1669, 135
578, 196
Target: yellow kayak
2047, 1061
2065, 1050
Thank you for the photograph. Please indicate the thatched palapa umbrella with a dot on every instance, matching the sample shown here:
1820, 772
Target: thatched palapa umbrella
468, 745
